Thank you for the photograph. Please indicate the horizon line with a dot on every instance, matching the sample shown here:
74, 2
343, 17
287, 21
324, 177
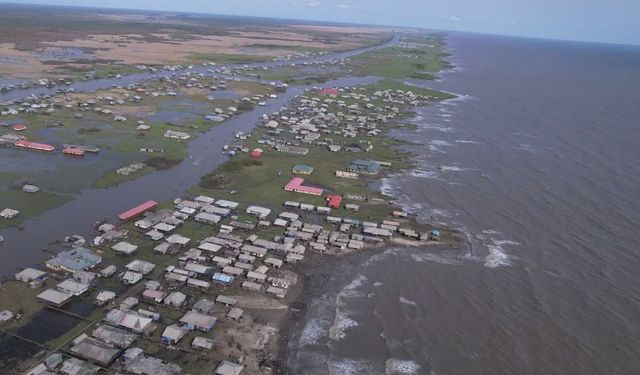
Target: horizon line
335, 23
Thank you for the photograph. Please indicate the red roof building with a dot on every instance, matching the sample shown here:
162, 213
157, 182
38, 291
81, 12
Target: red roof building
334, 201
138, 210
34, 146
329, 91
296, 185
256, 153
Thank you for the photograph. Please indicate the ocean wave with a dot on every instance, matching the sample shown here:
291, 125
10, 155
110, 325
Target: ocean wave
407, 302
467, 142
440, 259
352, 366
341, 323
423, 173
452, 168
313, 331
444, 129
497, 257
401, 367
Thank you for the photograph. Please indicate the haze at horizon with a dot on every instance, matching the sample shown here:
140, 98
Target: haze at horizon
594, 21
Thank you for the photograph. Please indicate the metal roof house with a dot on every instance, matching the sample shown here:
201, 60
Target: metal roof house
78, 259
364, 166
195, 320
302, 169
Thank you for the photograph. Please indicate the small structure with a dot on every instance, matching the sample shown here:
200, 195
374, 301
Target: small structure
30, 189
229, 368
302, 169
173, 334
364, 166
9, 213
175, 299
94, 350
256, 153
131, 278
31, 276
124, 248
200, 342
54, 297
334, 201
235, 313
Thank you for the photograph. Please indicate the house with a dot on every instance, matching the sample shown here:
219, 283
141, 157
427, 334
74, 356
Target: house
124, 248
334, 201
94, 350
204, 306
235, 313
229, 368
54, 297
364, 166
107, 271
131, 278
207, 218
296, 185
329, 91
31, 276
177, 135
154, 296
200, 342
302, 169
226, 300
222, 278
273, 262
129, 320
9, 213
30, 189
256, 153
140, 266
173, 334
195, 320
77, 259
175, 299
178, 239
104, 297
258, 211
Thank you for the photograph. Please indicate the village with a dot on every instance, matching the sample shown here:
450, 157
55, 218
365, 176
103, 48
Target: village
206, 284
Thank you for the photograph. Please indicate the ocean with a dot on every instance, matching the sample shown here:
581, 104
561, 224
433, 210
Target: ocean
537, 163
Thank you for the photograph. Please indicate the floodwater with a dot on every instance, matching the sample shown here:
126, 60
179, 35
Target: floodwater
24, 247
93, 85
537, 163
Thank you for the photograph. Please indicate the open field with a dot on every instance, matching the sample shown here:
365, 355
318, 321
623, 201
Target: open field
66, 42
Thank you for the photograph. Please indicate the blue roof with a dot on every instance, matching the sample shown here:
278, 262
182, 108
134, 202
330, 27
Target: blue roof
222, 277
77, 259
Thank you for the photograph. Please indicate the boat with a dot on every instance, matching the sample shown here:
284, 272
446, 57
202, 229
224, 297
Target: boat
34, 146
1, 239
93, 149
73, 151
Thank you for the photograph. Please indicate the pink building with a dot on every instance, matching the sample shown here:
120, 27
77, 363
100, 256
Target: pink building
296, 185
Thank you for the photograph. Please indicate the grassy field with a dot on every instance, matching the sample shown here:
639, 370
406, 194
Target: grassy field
415, 57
